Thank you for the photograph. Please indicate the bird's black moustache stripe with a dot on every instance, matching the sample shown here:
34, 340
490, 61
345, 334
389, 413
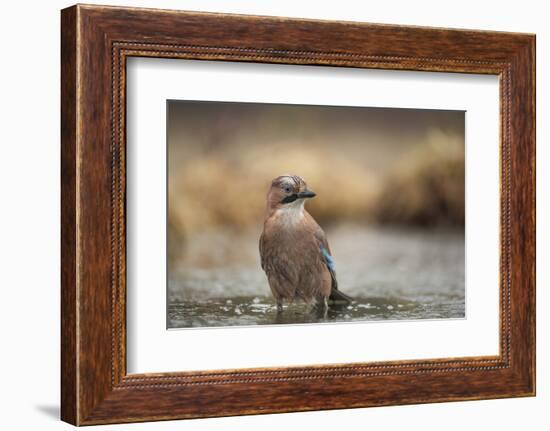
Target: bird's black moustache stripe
290, 198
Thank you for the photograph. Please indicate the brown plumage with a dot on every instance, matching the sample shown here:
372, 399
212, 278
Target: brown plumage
294, 250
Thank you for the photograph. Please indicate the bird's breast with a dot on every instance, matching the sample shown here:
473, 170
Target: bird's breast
293, 240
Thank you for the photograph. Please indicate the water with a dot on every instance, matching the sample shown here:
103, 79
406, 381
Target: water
247, 310
391, 274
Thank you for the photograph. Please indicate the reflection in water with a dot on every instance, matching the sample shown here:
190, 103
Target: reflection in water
255, 311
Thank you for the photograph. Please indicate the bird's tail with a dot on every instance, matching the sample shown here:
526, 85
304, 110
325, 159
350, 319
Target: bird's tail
338, 297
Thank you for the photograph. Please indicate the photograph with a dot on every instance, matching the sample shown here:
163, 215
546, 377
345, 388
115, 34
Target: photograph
290, 214
236, 189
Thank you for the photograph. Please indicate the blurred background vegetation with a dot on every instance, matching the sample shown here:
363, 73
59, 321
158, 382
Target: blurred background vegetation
371, 166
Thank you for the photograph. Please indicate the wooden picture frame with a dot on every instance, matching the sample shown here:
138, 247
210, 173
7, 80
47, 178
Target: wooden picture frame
95, 43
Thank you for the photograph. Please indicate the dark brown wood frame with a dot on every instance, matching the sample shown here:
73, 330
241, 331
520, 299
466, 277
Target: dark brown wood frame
95, 43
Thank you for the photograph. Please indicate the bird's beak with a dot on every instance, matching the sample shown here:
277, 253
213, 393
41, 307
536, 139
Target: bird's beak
306, 194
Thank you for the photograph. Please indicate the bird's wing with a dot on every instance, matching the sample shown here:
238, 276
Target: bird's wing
326, 255
335, 294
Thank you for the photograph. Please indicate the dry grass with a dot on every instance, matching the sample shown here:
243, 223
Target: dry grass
227, 188
427, 187
367, 166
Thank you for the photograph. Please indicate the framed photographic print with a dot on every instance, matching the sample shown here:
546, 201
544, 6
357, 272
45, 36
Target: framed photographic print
268, 215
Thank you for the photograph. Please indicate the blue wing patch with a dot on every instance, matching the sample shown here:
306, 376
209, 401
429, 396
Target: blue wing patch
328, 259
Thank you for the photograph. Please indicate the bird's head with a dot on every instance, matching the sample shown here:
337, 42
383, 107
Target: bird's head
288, 191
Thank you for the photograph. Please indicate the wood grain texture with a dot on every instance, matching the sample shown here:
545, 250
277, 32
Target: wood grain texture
96, 41
69, 366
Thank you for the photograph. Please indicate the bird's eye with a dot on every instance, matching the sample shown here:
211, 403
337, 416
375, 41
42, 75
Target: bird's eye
287, 189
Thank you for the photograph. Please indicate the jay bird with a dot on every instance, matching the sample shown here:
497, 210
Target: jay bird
294, 250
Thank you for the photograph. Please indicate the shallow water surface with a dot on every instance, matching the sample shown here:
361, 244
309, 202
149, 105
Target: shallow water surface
255, 311
391, 275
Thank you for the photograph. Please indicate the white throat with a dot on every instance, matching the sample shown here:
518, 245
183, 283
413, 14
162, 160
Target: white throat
290, 214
